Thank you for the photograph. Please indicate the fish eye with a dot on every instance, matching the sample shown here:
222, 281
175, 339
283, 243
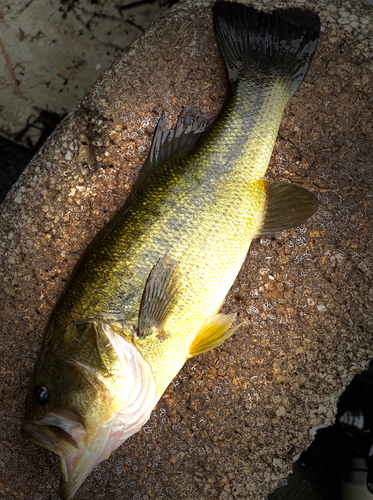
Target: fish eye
41, 394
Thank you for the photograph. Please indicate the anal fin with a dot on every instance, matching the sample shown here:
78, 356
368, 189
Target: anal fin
213, 333
287, 206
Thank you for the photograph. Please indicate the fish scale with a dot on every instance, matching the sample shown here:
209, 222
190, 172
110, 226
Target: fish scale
146, 295
196, 214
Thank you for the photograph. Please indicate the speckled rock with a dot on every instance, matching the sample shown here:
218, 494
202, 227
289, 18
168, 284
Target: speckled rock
232, 422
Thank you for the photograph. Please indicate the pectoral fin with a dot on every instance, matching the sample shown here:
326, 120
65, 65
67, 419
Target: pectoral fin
287, 206
213, 333
159, 297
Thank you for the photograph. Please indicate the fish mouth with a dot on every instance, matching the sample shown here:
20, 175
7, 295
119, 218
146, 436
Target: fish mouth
50, 436
80, 450
65, 436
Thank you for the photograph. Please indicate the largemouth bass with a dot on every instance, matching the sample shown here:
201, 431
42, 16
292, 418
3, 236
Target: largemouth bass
147, 295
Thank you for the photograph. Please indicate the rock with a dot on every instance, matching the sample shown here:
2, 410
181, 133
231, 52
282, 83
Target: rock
232, 421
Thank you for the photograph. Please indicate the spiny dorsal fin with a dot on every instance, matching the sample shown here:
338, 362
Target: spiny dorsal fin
190, 125
213, 333
159, 297
287, 206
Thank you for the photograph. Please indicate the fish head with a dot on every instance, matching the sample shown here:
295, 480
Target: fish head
91, 391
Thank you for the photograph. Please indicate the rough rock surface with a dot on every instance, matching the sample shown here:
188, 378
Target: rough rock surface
230, 425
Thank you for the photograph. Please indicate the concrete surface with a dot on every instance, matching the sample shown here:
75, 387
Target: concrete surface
56, 49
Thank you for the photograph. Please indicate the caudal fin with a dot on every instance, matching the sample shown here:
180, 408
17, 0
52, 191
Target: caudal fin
260, 47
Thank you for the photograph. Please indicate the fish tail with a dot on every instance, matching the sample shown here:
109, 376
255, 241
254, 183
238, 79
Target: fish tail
260, 47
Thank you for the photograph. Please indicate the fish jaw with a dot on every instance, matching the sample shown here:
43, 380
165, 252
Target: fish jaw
80, 450
76, 467
83, 441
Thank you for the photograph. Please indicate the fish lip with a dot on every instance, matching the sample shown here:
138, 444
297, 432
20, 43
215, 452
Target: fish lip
32, 431
71, 477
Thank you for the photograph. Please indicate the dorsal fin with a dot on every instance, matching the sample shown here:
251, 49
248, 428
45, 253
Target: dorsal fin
189, 128
190, 125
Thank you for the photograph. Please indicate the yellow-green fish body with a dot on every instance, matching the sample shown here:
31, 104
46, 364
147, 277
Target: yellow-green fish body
147, 296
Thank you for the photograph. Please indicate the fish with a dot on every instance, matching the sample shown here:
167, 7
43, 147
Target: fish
147, 294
